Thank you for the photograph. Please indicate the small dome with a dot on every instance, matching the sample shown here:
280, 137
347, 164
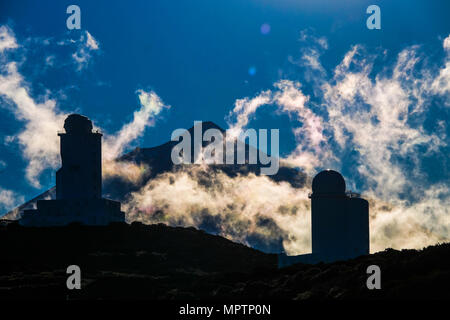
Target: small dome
76, 123
328, 181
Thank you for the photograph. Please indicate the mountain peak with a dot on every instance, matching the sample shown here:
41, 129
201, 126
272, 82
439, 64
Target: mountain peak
206, 125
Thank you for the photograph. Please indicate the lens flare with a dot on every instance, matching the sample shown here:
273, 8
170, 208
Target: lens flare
265, 28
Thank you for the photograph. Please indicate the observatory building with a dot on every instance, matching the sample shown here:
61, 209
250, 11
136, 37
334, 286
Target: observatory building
78, 182
339, 222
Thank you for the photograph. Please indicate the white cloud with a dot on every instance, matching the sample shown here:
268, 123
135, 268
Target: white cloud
7, 39
373, 116
151, 106
287, 98
308, 37
446, 43
87, 44
244, 109
9, 199
441, 84
41, 121
91, 42
311, 59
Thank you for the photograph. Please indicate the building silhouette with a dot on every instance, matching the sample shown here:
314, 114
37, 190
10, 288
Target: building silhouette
78, 182
339, 222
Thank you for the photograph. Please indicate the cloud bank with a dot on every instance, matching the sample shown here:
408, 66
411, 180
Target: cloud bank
249, 209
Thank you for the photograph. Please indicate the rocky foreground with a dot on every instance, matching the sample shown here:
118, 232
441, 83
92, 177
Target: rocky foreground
159, 262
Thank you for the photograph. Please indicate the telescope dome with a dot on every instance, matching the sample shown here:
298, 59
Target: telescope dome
76, 123
328, 181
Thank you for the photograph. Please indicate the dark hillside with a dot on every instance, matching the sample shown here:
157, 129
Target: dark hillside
159, 262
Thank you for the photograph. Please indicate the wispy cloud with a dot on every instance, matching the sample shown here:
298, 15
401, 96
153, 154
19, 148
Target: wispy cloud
115, 144
86, 46
441, 84
151, 106
9, 199
7, 39
41, 120
286, 98
91, 42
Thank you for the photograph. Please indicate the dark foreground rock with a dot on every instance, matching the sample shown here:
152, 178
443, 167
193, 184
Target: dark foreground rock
160, 262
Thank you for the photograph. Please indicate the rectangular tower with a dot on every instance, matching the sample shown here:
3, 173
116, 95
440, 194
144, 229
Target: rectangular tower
78, 182
80, 176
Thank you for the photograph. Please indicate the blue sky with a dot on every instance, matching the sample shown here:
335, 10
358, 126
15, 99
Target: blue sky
199, 57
